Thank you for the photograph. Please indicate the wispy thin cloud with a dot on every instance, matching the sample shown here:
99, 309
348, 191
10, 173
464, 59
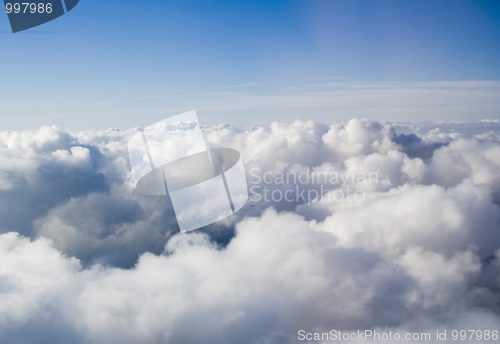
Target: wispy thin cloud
249, 84
408, 100
222, 94
96, 104
152, 97
296, 88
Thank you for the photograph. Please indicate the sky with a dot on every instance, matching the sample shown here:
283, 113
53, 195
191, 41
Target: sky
129, 64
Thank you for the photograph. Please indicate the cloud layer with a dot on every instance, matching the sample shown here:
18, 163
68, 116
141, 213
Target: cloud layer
85, 259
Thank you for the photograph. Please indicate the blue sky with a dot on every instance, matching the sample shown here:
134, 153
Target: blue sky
131, 63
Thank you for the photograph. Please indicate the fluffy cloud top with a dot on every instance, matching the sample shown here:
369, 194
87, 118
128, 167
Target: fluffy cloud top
85, 259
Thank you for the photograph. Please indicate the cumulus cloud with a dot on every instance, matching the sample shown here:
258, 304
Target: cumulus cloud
412, 245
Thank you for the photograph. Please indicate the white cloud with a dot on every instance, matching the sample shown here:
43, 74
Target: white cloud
85, 259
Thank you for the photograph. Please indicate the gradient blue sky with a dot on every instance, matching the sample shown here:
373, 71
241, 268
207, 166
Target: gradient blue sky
131, 63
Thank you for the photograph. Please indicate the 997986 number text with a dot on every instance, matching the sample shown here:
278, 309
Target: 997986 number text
28, 7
